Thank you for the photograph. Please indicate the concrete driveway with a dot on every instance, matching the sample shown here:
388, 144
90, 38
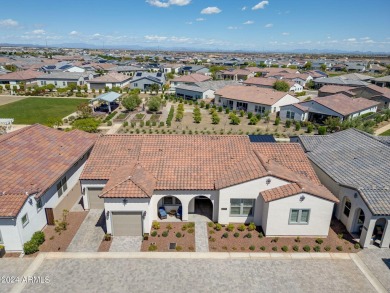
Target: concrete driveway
90, 234
126, 244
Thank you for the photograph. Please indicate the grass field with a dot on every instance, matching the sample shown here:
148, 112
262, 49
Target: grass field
386, 133
39, 110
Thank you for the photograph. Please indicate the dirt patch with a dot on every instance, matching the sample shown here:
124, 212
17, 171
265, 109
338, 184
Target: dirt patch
253, 241
10, 99
186, 241
59, 242
105, 245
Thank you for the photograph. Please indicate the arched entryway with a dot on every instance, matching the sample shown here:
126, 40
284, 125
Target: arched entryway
360, 217
379, 230
201, 205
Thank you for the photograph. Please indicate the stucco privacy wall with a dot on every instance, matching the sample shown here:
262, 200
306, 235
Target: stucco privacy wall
279, 213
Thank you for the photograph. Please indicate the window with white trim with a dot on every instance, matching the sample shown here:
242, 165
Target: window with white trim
62, 186
299, 216
170, 200
241, 207
259, 109
290, 115
25, 220
347, 207
39, 204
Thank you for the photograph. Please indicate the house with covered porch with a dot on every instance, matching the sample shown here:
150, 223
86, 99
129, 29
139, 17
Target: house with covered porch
354, 166
228, 179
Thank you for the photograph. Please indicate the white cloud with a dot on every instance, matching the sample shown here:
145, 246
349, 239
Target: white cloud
211, 10
38, 32
155, 38
162, 4
285, 34
8, 22
74, 33
351, 40
260, 5
244, 8
249, 22
232, 28
200, 19
189, 22
365, 38
268, 25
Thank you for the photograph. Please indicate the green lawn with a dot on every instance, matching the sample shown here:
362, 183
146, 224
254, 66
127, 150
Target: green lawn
386, 133
39, 110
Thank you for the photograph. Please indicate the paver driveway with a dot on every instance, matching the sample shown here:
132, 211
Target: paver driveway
200, 275
90, 233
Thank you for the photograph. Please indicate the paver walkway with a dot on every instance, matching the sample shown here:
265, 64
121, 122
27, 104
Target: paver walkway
126, 244
114, 128
90, 233
201, 238
382, 129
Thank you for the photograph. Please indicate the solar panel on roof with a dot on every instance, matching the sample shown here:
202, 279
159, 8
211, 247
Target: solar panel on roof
139, 74
261, 138
159, 74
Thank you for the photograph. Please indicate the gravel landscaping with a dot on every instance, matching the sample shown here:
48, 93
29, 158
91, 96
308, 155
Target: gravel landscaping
182, 234
239, 238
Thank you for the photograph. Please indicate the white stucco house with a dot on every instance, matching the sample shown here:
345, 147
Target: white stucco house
40, 174
354, 166
239, 182
253, 99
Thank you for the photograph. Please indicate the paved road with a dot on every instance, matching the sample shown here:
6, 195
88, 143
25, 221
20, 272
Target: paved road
12, 267
90, 234
200, 275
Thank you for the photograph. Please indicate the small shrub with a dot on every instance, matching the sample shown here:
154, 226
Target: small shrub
191, 248
165, 234
230, 227
184, 227
357, 246
218, 227
306, 248
322, 130
156, 225
152, 247
327, 248
191, 225
210, 224
224, 247
225, 235
310, 128
211, 231
277, 121
249, 235
30, 247
236, 234
295, 247
178, 235
252, 247
179, 248
125, 124
275, 248
241, 227
38, 237
212, 239
191, 230
109, 123
234, 248
319, 241
154, 233
227, 110
276, 239
261, 235
340, 236
169, 227
298, 239
251, 226
284, 248
288, 123
317, 248
339, 248
297, 126
262, 248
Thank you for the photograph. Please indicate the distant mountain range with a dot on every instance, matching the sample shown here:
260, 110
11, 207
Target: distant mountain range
184, 49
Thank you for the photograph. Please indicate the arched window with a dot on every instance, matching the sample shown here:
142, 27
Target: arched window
347, 207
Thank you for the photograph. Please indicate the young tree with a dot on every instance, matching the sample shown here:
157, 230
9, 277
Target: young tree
323, 67
131, 102
54, 122
154, 103
86, 124
308, 65
154, 88
50, 87
84, 110
281, 86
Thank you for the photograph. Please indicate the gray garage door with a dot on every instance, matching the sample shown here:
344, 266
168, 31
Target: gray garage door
127, 224
94, 201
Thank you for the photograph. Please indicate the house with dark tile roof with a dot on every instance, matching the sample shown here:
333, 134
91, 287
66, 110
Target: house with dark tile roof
40, 169
354, 166
228, 179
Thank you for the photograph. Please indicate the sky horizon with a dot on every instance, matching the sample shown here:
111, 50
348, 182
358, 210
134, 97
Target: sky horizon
251, 25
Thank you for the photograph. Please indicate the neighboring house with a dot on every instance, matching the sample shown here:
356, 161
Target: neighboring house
375, 93
109, 80
355, 66
14, 78
201, 90
189, 79
339, 80
319, 109
127, 70
41, 167
143, 80
355, 166
167, 68
188, 69
61, 67
272, 185
253, 99
383, 81
376, 68
234, 74
328, 90
64, 79
269, 83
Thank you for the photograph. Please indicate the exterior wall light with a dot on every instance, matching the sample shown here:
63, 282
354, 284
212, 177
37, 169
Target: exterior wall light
302, 198
268, 181
355, 195
107, 215
124, 201
144, 214
30, 201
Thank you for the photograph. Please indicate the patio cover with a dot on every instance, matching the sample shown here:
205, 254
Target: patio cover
107, 97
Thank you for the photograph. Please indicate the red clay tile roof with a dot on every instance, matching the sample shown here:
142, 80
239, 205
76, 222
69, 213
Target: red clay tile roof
195, 77
21, 75
252, 94
185, 162
10, 204
334, 89
110, 77
34, 158
264, 81
131, 180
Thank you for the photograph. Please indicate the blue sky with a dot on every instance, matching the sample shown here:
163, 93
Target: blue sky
210, 24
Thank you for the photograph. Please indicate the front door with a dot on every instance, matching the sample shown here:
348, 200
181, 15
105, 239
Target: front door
49, 216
